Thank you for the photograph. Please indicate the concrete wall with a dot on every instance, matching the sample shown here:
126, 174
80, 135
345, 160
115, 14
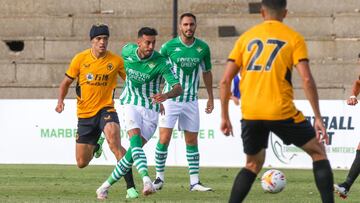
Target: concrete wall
53, 31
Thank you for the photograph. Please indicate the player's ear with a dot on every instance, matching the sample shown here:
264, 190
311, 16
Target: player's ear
285, 13
138, 41
262, 11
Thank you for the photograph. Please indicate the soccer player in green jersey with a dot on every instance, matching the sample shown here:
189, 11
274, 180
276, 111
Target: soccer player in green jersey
190, 57
141, 98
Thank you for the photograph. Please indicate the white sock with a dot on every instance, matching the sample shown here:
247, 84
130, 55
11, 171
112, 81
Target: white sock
146, 179
194, 179
160, 175
106, 185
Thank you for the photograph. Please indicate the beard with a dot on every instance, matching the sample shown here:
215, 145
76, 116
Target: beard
188, 36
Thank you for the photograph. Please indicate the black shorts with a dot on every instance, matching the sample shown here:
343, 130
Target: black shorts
90, 129
255, 133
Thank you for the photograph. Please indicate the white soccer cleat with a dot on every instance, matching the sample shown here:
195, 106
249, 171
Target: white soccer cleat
341, 191
158, 183
148, 188
102, 193
199, 187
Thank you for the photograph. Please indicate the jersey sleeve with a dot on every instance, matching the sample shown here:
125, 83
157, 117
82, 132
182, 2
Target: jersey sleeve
207, 60
74, 67
300, 50
164, 50
236, 53
121, 69
168, 74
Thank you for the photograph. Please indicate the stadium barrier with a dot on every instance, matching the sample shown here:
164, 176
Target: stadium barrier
33, 133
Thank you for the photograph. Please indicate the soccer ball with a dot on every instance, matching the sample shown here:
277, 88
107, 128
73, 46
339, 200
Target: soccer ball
273, 181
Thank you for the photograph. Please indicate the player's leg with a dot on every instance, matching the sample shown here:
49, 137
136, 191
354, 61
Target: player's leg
88, 134
193, 158
302, 134
110, 124
161, 153
343, 188
189, 122
321, 168
255, 139
166, 125
84, 154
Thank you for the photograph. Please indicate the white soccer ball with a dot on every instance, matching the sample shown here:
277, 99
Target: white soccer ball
273, 181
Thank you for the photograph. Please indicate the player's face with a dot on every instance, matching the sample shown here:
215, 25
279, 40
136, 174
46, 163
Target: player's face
146, 45
99, 43
188, 27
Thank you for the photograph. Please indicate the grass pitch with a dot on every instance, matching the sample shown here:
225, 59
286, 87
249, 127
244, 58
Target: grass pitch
67, 183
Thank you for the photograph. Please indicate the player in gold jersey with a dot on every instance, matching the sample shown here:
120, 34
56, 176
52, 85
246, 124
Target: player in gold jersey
265, 56
96, 71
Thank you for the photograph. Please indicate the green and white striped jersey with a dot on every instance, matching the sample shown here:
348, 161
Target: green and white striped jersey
143, 77
187, 62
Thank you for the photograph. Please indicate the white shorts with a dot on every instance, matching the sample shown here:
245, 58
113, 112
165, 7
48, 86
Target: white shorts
186, 113
140, 117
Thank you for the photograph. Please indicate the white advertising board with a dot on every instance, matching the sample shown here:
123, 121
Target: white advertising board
33, 133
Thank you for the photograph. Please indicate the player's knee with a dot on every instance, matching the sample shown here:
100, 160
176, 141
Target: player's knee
81, 163
254, 167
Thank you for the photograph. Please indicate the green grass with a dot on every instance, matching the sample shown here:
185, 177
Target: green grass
59, 183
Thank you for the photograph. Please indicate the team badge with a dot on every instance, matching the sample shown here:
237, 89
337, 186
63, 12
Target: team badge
199, 49
89, 77
151, 64
110, 66
86, 65
177, 49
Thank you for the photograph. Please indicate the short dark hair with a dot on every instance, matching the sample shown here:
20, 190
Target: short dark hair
187, 15
147, 31
274, 4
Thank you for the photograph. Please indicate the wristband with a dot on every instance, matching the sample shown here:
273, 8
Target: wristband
352, 97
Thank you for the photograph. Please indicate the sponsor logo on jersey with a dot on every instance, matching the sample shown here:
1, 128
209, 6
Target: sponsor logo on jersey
110, 66
89, 77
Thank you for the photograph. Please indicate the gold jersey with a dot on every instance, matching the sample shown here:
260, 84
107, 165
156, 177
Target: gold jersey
96, 81
266, 55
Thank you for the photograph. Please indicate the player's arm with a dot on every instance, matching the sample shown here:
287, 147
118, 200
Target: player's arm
311, 93
225, 83
63, 90
208, 80
175, 91
354, 93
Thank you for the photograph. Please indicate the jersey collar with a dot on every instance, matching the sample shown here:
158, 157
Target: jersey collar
137, 56
188, 46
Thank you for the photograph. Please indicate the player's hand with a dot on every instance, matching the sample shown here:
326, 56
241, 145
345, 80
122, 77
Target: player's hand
60, 107
209, 106
226, 127
162, 109
352, 101
320, 131
158, 98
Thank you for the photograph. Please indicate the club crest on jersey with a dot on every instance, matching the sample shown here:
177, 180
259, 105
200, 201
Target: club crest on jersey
199, 49
86, 65
177, 49
89, 77
151, 65
129, 58
110, 66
